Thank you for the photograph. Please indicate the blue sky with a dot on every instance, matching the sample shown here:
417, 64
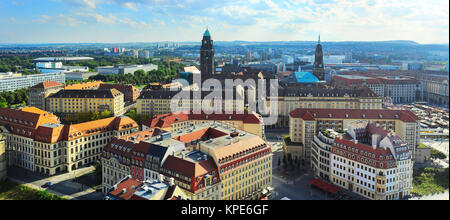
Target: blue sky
116, 21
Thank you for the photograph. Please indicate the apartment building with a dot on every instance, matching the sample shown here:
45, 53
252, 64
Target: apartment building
36, 141
244, 160
208, 161
306, 123
12, 83
157, 102
319, 96
75, 101
399, 89
372, 162
37, 94
130, 92
172, 122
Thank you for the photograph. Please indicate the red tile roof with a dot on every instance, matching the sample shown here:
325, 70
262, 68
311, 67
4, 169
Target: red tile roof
130, 186
48, 84
306, 114
188, 168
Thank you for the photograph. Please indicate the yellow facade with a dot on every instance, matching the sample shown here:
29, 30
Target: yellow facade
288, 104
76, 105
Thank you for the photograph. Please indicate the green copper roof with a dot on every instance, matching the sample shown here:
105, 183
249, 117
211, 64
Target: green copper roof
207, 34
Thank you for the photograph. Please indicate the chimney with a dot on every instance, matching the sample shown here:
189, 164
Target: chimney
161, 178
172, 181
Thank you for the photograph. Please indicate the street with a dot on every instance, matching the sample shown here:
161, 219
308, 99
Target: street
63, 184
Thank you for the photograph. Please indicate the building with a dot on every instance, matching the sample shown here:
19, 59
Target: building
173, 122
300, 77
56, 67
132, 189
159, 102
125, 69
3, 162
84, 86
306, 123
320, 153
319, 68
79, 76
423, 153
321, 96
76, 101
243, 160
399, 89
37, 94
207, 54
20, 82
130, 92
372, 162
36, 141
62, 59
208, 161
137, 155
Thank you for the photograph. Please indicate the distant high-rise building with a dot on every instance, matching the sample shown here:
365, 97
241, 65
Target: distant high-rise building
318, 68
207, 54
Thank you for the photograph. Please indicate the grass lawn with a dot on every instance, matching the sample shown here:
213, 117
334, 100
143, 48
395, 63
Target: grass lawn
430, 180
13, 191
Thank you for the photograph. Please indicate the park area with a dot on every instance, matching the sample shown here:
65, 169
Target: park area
430, 180
12, 191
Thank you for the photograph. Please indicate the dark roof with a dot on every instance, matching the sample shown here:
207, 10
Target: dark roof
322, 91
164, 94
107, 93
311, 114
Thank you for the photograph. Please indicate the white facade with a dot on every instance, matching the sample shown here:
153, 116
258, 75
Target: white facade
14, 83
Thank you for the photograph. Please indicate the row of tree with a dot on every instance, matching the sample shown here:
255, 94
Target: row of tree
81, 117
140, 77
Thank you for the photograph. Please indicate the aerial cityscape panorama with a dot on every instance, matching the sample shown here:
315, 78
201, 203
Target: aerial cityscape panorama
224, 100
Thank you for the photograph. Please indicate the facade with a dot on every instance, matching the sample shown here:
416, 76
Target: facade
306, 123
56, 67
132, 189
435, 90
159, 102
3, 162
36, 141
399, 89
125, 69
130, 92
319, 96
319, 67
15, 83
38, 93
207, 54
320, 153
80, 75
173, 122
372, 162
210, 161
76, 101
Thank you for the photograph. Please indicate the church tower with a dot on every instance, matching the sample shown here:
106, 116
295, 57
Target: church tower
319, 68
207, 54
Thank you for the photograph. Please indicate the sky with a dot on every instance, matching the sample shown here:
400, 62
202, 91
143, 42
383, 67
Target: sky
121, 21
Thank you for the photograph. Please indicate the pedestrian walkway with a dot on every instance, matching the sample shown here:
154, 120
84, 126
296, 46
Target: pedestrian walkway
439, 196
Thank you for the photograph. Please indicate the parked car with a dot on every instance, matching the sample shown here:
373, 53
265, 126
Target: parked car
47, 185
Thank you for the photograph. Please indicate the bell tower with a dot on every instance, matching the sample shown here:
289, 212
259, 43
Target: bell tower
207, 54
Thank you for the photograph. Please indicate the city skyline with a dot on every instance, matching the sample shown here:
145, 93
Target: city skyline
117, 21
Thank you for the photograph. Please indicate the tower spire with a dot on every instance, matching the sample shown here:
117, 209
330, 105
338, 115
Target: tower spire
319, 38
